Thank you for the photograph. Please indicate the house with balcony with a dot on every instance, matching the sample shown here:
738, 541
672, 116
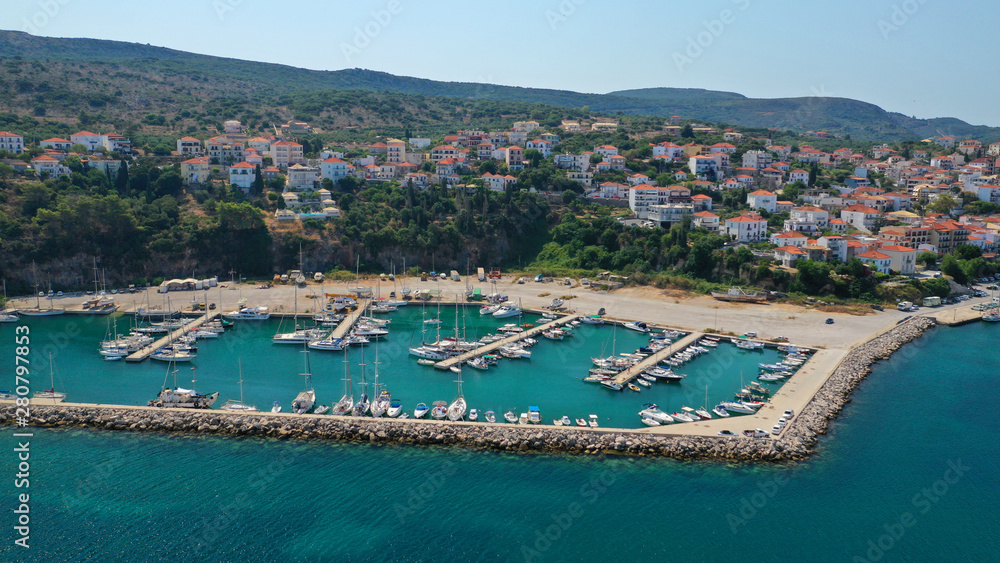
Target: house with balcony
746, 228
12, 142
287, 153
196, 170
224, 151
789, 255
242, 175
705, 220
861, 217
333, 169
300, 177
45, 164
762, 199
789, 238
903, 259
189, 146
87, 139
876, 261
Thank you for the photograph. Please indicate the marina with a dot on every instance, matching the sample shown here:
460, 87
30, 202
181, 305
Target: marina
147, 351
486, 349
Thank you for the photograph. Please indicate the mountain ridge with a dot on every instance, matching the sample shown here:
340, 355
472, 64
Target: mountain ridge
839, 116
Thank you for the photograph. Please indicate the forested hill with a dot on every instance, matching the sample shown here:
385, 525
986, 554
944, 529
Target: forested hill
217, 76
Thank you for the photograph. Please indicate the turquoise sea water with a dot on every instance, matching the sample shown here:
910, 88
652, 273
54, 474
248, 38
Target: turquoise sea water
908, 473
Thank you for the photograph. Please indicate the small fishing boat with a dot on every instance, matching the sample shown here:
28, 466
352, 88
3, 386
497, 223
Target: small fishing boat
565, 421
395, 408
439, 410
426, 362
650, 421
593, 421
473, 415
534, 415
276, 407
490, 416
581, 422
643, 382
634, 387
510, 417
322, 409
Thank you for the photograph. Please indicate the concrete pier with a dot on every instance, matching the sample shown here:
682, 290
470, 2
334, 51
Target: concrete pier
650, 362
352, 318
147, 351
486, 349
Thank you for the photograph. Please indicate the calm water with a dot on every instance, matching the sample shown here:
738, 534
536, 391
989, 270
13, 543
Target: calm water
551, 379
105, 496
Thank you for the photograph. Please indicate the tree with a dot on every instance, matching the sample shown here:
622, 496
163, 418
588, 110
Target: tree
596, 158
943, 203
121, 180
258, 182
967, 252
79, 148
813, 174
951, 267
928, 259
533, 156
687, 131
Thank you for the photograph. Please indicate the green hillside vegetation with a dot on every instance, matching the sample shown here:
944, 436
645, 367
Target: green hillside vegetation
146, 79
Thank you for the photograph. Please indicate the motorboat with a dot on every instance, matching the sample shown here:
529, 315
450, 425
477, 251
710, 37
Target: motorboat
506, 311
473, 415
593, 320
534, 415
650, 421
683, 417
720, 411
565, 420
395, 408
611, 385
322, 409
478, 363
522, 418
593, 421
738, 408
276, 407
421, 410
329, 344
510, 417
248, 314
633, 387
490, 416
643, 382
581, 422
652, 411
489, 309
637, 326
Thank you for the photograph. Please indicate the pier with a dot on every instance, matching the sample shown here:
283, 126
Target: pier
345, 325
147, 351
653, 359
529, 333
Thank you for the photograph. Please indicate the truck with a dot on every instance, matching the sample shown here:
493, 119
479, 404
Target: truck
481, 274
904, 306
455, 276
932, 301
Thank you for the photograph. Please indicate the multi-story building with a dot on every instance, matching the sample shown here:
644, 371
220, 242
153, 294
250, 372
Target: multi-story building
903, 259
910, 236
287, 153
762, 199
11, 142
757, 159
242, 175
189, 146
224, 151
862, 217
302, 177
747, 228
196, 170
87, 139
395, 151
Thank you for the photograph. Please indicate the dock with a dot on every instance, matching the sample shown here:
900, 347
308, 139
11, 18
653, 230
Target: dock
486, 349
654, 359
147, 351
345, 325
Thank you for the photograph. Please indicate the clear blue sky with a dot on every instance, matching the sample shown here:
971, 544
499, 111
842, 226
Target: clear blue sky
927, 58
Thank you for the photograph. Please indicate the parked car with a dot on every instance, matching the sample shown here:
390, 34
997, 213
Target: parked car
726, 433
829, 321
877, 307
788, 414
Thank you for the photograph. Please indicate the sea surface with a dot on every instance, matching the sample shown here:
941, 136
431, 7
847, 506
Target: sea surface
907, 473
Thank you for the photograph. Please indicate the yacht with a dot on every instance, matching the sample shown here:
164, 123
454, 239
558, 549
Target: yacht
248, 314
395, 408
239, 406
346, 403
306, 400
506, 311
489, 309
738, 408
652, 411
637, 326
300, 336
331, 344
720, 411
421, 410
456, 410
177, 397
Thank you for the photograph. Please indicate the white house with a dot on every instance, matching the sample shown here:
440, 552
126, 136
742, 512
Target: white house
667, 149
242, 175
790, 238
706, 220
541, 146
496, 182
757, 159
419, 142
87, 139
115, 142
11, 142
799, 175
837, 246
876, 260
746, 228
860, 216
903, 259
56, 143
606, 150
49, 165
302, 177
333, 168
703, 166
762, 199
788, 255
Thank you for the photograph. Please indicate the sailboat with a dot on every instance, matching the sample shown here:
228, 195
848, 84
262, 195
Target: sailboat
362, 406
50, 393
232, 405
37, 310
456, 410
406, 290
7, 316
182, 398
382, 400
346, 403
305, 400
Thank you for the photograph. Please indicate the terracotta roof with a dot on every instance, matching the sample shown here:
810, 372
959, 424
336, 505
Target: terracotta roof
791, 250
897, 248
705, 214
761, 192
875, 255
242, 165
790, 234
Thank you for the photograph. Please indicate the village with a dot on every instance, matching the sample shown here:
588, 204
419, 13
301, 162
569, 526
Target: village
888, 207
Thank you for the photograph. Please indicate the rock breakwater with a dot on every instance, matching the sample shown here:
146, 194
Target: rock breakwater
796, 443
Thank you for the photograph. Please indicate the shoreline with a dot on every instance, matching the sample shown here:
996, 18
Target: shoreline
797, 442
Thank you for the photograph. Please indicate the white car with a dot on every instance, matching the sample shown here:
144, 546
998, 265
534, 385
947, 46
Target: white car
788, 414
777, 429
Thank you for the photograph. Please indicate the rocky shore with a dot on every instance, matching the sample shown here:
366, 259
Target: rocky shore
796, 443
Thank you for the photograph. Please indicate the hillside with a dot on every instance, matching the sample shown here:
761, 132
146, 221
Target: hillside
86, 75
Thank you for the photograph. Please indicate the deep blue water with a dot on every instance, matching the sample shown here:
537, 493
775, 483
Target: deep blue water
105, 496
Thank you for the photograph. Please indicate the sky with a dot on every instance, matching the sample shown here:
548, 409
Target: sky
925, 58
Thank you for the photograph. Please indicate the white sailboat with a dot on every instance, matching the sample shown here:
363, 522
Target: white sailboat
240, 406
306, 400
346, 403
177, 397
456, 410
380, 404
37, 310
362, 406
50, 393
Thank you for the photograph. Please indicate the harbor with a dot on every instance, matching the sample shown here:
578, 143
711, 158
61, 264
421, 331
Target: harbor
491, 347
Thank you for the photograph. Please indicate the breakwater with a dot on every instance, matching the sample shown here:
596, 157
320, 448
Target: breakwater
797, 442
